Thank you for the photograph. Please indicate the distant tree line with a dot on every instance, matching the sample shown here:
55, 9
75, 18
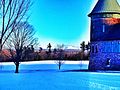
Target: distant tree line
51, 54
29, 53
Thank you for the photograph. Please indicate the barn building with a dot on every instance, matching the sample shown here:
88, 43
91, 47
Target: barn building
105, 36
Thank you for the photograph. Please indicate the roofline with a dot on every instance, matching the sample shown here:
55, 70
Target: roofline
89, 15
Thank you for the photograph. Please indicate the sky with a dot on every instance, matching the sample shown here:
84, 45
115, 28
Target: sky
61, 21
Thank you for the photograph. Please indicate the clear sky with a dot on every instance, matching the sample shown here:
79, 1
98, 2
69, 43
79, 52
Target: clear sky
61, 21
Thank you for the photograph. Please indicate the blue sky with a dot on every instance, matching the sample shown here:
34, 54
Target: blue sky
61, 21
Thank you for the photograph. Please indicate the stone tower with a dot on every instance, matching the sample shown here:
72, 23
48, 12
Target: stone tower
105, 36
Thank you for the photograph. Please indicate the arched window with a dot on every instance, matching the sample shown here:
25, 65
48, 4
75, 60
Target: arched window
108, 61
96, 49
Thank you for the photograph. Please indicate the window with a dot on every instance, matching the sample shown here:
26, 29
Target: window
96, 49
103, 28
108, 62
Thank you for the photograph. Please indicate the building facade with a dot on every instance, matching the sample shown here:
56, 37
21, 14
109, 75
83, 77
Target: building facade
105, 36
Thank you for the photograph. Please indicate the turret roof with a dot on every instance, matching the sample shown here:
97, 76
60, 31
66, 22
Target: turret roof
106, 6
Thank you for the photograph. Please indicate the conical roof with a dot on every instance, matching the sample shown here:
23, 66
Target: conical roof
106, 6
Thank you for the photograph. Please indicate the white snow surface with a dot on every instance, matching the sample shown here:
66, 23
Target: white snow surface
44, 75
48, 62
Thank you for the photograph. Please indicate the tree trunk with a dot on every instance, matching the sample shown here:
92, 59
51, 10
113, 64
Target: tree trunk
59, 66
0, 45
18, 59
17, 67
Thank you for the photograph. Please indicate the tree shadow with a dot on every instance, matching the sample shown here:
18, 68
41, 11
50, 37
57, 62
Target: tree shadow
86, 70
29, 71
77, 70
7, 71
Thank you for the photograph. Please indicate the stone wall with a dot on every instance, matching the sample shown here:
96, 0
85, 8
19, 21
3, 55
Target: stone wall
106, 57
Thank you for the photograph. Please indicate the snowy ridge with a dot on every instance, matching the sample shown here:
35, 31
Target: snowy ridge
46, 62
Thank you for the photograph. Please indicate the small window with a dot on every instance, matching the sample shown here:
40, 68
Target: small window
96, 49
103, 28
108, 61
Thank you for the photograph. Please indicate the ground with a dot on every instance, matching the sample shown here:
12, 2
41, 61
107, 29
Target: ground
46, 76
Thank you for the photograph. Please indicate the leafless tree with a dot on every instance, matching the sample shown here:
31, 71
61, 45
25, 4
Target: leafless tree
12, 12
60, 56
20, 38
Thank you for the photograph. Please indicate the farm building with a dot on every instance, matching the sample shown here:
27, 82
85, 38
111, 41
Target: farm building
105, 36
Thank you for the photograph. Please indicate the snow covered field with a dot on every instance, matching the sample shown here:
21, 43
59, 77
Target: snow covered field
46, 76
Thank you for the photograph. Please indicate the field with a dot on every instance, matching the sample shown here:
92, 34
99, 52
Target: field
46, 76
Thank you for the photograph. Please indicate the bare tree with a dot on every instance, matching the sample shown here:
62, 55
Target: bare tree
60, 56
12, 12
20, 38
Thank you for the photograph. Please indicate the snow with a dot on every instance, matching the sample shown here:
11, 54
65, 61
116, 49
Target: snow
44, 75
